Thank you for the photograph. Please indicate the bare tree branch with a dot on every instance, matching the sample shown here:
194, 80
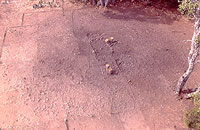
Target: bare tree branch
187, 40
193, 93
197, 62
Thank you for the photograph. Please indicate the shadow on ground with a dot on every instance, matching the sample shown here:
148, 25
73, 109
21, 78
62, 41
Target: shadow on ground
142, 14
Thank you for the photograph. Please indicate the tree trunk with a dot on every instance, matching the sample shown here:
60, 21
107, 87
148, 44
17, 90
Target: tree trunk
193, 54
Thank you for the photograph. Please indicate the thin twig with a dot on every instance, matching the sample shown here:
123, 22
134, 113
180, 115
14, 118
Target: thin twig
4, 39
22, 20
63, 10
67, 124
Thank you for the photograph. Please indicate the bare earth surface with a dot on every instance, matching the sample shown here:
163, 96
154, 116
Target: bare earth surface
53, 76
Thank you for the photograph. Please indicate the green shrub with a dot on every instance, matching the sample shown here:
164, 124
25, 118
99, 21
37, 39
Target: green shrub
188, 7
192, 117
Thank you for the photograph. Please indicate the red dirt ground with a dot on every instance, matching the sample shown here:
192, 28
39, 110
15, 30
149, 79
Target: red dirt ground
52, 71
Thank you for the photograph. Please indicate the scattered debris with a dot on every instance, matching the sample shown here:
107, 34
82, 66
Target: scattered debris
109, 69
130, 82
5, 2
110, 41
37, 6
42, 4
